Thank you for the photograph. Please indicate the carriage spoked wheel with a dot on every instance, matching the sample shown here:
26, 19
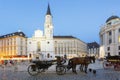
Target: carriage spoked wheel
117, 67
107, 65
60, 70
33, 70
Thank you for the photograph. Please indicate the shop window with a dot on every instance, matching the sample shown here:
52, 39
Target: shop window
37, 57
109, 54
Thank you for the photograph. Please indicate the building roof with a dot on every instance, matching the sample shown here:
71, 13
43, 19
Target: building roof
63, 37
93, 45
68, 37
13, 34
48, 10
112, 17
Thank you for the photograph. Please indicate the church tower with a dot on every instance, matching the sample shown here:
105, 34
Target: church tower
48, 26
48, 43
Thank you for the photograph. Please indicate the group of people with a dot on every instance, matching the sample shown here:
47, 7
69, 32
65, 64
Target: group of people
6, 62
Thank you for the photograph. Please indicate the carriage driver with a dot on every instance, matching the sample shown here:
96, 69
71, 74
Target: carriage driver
60, 60
63, 60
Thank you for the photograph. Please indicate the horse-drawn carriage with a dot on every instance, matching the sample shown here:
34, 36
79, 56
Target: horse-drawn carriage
112, 62
40, 66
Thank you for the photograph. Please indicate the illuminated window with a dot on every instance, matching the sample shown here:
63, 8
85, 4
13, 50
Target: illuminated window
119, 39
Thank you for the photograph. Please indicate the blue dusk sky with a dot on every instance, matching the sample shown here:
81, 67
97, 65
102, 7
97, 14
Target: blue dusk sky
79, 18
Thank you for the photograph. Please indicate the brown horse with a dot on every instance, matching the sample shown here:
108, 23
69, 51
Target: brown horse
83, 61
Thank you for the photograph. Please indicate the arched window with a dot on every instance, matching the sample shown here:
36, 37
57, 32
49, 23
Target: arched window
38, 46
48, 55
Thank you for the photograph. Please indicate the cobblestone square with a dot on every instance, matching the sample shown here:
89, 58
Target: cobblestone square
8, 73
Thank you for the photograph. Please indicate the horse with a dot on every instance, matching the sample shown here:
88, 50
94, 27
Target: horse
83, 61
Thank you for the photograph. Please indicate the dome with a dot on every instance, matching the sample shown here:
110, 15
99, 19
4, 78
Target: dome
112, 17
38, 33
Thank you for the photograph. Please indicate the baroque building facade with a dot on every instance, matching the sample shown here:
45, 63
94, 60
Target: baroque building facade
13, 45
93, 49
43, 45
69, 46
110, 37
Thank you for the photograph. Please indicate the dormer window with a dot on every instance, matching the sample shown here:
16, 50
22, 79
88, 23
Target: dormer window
20, 34
109, 23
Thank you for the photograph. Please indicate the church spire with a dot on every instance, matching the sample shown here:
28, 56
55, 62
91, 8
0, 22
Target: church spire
48, 10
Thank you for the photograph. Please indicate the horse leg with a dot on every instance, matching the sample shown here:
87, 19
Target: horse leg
74, 69
86, 66
82, 67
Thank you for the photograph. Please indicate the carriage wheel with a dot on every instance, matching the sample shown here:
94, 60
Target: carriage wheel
33, 70
117, 67
106, 65
60, 70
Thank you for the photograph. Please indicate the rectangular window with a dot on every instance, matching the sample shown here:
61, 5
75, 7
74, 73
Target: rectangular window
119, 53
109, 23
108, 48
110, 33
109, 54
118, 47
110, 41
119, 29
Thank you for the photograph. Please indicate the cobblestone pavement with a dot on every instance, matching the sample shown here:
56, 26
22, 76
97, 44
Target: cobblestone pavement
101, 74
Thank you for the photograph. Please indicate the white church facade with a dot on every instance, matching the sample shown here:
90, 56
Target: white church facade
41, 45
45, 46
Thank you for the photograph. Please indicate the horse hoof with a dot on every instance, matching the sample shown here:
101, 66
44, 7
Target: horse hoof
90, 70
94, 71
